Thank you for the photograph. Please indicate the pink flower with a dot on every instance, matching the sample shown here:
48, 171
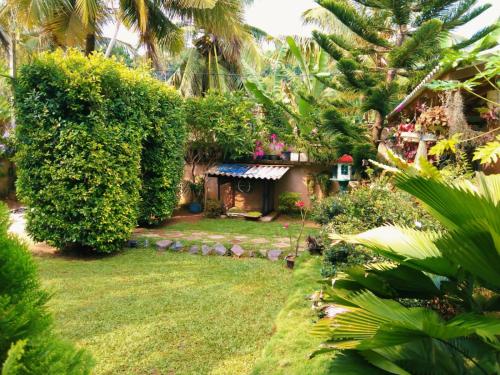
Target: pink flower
286, 225
300, 204
274, 136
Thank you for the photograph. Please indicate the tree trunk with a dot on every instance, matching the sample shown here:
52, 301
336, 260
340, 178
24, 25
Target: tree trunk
378, 125
112, 42
89, 44
12, 72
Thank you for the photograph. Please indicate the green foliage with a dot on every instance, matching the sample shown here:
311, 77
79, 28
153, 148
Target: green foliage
82, 125
27, 345
363, 208
162, 159
221, 126
453, 273
489, 153
446, 145
286, 203
384, 46
213, 208
350, 17
423, 44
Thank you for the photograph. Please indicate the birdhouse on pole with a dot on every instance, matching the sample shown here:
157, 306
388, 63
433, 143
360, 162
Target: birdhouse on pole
342, 171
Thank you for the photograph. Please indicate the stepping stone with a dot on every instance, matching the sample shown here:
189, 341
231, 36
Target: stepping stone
175, 234
163, 244
237, 250
220, 249
240, 237
274, 255
216, 237
195, 249
206, 250
177, 246
193, 238
281, 245
259, 241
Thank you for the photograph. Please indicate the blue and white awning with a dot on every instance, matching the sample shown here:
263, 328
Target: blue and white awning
263, 172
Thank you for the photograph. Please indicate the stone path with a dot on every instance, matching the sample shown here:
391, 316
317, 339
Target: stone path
249, 243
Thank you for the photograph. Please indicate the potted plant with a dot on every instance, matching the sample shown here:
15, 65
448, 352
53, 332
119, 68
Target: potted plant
258, 153
294, 245
197, 189
275, 148
286, 155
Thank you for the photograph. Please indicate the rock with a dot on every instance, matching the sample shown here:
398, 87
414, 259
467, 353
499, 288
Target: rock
274, 255
220, 249
237, 250
206, 250
177, 246
163, 244
195, 249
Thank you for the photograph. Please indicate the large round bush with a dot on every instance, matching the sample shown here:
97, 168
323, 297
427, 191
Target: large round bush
83, 122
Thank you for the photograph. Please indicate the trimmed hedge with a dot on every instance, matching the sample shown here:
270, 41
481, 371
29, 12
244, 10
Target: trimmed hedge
162, 155
27, 344
82, 126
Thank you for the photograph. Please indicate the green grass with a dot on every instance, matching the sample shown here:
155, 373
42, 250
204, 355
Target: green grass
143, 313
288, 350
242, 226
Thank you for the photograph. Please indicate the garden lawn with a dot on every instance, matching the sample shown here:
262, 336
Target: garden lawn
288, 351
143, 313
247, 227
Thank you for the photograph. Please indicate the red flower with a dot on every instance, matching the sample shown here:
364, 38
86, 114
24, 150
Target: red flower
300, 204
285, 226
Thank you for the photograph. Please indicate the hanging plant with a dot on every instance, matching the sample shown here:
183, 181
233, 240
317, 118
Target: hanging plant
433, 120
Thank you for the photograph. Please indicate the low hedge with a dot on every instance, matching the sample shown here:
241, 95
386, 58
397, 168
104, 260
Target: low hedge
82, 125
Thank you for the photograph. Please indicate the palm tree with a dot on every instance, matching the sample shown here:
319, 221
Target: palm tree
431, 307
80, 22
395, 42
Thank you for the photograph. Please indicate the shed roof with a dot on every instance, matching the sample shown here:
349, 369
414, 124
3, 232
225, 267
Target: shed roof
255, 171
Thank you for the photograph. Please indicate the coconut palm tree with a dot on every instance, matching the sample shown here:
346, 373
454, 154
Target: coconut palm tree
79, 23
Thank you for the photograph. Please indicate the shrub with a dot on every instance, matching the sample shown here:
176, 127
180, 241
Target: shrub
27, 345
213, 208
286, 203
162, 161
396, 308
363, 208
221, 126
81, 125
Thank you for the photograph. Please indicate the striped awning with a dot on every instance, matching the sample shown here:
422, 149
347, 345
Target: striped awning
263, 172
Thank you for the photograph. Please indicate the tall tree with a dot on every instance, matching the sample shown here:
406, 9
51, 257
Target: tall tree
391, 43
157, 22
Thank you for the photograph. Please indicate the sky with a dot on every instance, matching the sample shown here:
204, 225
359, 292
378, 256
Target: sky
283, 17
